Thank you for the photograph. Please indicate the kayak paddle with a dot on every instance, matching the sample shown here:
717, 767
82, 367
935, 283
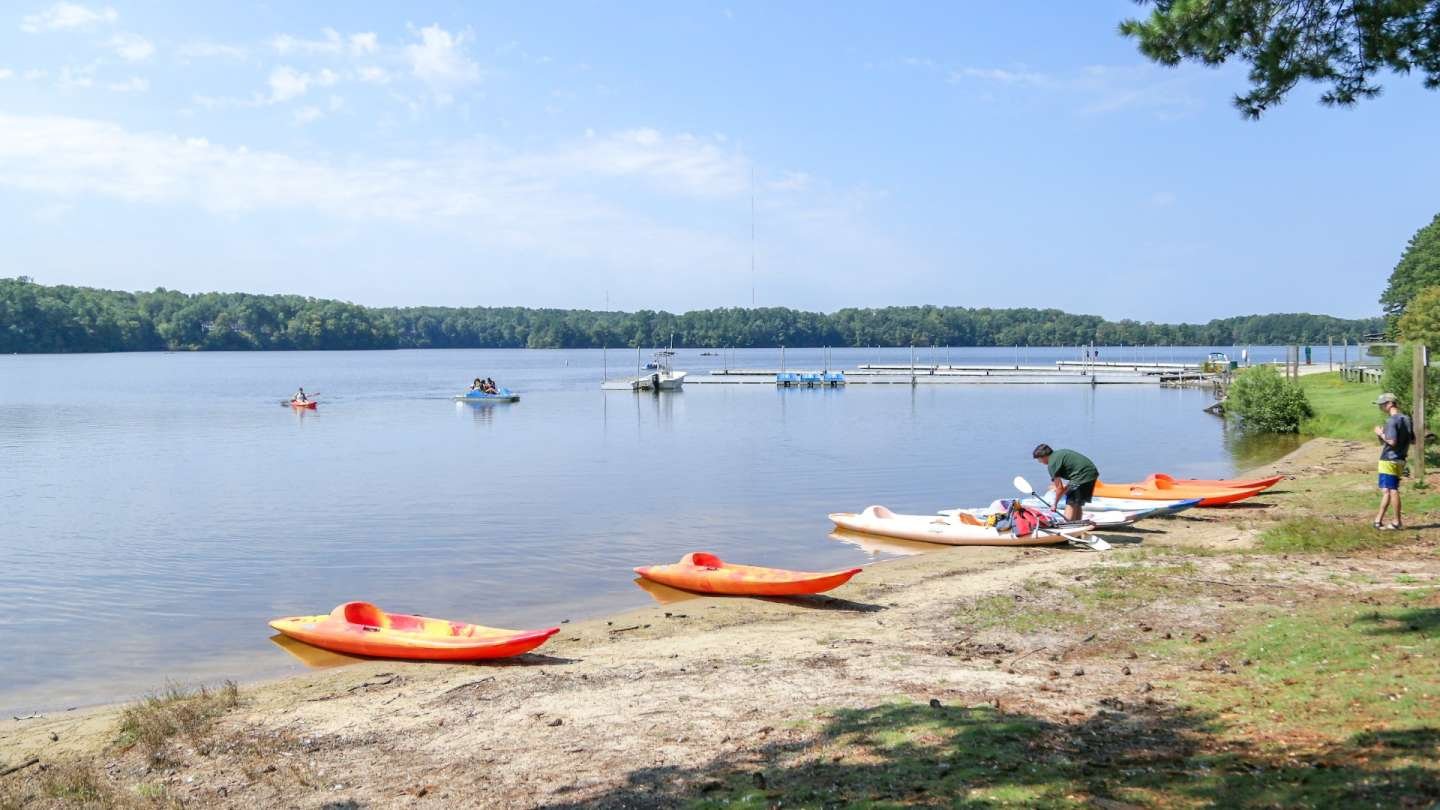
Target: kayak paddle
1024, 486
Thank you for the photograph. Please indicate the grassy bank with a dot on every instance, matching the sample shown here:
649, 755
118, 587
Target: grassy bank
1342, 410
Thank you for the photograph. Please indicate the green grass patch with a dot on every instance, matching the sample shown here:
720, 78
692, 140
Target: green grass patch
1098, 593
1343, 410
1309, 535
1338, 670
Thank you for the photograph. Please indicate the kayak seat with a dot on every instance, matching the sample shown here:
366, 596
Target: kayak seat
704, 559
879, 512
362, 613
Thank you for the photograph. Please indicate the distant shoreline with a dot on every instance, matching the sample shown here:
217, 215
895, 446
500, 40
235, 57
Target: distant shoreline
41, 319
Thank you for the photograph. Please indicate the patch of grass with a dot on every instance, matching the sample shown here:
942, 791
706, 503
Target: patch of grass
908, 754
1099, 592
1310, 535
1334, 669
175, 711
1342, 410
1353, 494
72, 783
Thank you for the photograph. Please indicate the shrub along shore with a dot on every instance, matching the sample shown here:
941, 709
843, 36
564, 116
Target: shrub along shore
1280, 653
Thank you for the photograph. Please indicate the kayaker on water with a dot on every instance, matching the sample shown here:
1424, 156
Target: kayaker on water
300, 396
1395, 438
1072, 476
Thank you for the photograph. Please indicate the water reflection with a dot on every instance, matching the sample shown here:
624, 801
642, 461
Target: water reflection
312, 657
876, 546
1250, 450
664, 594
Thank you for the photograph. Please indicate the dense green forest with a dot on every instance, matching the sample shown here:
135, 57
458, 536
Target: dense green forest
40, 318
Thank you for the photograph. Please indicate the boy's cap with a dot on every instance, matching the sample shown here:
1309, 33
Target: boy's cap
1386, 399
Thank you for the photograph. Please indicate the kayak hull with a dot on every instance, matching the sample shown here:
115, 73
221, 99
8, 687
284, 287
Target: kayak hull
702, 572
308, 405
950, 531
1148, 491
1101, 518
1161, 479
360, 628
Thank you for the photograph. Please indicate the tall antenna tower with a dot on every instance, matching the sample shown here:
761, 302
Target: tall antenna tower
752, 237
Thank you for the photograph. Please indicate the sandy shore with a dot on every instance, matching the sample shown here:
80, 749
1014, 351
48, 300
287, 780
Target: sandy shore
645, 707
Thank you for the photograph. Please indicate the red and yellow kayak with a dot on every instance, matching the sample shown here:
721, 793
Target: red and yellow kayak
360, 628
703, 572
1156, 490
1162, 480
308, 404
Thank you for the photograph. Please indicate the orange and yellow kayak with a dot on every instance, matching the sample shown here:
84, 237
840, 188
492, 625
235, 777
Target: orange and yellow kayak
1158, 490
705, 573
308, 404
360, 628
1228, 483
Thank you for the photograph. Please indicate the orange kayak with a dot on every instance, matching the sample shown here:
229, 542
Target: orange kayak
360, 628
1162, 479
1157, 490
309, 403
704, 572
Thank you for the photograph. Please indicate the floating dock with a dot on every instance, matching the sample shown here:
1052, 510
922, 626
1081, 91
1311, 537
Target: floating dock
1062, 373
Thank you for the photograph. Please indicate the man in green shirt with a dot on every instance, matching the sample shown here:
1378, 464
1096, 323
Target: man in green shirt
1072, 476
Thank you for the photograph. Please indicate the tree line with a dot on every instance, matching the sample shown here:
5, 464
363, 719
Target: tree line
44, 318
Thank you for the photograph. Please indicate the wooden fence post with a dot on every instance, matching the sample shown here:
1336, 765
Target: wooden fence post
1417, 410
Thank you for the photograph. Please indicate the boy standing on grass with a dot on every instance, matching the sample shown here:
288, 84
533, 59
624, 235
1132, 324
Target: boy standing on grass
1395, 437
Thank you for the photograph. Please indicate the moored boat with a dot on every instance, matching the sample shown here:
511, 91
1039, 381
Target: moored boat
953, 530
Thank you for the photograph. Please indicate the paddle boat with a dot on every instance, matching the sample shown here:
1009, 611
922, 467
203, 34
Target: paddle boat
476, 397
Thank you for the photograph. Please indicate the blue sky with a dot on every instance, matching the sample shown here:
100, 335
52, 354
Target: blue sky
963, 153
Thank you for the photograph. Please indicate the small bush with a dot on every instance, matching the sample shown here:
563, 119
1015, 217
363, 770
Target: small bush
152, 722
1261, 400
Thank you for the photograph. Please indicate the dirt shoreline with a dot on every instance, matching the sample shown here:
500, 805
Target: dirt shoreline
651, 705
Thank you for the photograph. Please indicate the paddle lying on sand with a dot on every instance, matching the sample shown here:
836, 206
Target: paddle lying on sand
1093, 543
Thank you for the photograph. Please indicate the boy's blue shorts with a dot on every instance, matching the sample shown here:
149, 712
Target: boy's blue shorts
1389, 481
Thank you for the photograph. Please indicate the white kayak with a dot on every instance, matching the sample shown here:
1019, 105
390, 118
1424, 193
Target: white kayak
1099, 517
1120, 504
958, 530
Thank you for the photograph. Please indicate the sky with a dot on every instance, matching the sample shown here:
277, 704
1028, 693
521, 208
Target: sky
601, 155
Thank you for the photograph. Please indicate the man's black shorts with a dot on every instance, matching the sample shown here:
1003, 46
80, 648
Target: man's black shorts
1080, 494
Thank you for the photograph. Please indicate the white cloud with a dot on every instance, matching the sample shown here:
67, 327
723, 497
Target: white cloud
332, 43
1002, 76
306, 115
134, 84
76, 77
790, 181
204, 50
6, 73
34, 74
132, 47
365, 43
287, 83
373, 74
66, 16
439, 60
326, 77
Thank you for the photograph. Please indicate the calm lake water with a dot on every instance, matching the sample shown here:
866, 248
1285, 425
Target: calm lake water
157, 509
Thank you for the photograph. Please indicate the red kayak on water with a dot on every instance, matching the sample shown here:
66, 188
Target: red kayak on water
308, 404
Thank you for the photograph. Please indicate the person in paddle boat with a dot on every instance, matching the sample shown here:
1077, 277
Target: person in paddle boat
489, 387
1072, 477
300, 396
1395, 437
478, 385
